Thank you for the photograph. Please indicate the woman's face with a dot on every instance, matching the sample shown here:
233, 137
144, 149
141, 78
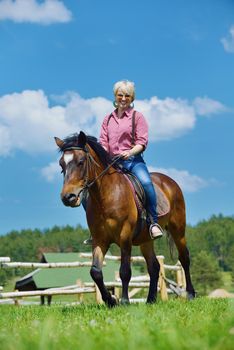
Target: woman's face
123, 99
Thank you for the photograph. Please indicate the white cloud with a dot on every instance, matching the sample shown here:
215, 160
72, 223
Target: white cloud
228, 42
167, 118
5, 140
188, 182
28, 122
205, 106
51, 171
46, 12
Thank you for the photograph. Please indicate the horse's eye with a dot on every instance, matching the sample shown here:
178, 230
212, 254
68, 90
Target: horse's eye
81, 161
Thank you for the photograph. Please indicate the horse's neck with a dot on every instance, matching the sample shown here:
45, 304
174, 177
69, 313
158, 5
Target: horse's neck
98, 175
95, 166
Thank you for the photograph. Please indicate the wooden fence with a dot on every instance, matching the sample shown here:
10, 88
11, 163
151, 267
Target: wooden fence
137, 283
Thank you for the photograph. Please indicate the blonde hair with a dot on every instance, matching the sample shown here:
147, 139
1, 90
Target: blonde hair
125, 86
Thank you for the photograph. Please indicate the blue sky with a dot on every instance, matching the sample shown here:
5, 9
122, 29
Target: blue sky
58, 63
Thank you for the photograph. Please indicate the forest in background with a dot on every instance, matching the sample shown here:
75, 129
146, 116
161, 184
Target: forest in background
211, 245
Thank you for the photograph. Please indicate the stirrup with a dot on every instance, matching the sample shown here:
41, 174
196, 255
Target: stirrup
159, 232
88, 241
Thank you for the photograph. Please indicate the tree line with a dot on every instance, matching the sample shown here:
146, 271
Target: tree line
211, 245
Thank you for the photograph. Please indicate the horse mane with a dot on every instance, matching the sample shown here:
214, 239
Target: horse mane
73, 141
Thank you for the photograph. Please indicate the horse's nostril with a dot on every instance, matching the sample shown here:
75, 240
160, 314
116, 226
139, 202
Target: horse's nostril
68, 198
71, 196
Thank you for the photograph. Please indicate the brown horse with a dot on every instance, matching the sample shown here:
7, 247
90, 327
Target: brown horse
112, 214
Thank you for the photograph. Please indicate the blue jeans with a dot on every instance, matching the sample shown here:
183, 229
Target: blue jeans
137, 166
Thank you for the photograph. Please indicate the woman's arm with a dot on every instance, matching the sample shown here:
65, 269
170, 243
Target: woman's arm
132, 152
104, 141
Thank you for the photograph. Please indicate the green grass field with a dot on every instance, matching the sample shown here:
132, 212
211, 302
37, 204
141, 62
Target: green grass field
177, 324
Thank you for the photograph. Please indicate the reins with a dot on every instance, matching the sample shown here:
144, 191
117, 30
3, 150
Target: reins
87, 186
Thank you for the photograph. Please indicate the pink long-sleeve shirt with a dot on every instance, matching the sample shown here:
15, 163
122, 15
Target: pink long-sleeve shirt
116, 135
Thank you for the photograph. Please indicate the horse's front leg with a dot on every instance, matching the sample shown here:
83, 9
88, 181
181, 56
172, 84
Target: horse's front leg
97, 275
153, 267
125, 269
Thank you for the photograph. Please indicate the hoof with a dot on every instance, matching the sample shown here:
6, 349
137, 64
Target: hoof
124, 302
191, 295
112, 302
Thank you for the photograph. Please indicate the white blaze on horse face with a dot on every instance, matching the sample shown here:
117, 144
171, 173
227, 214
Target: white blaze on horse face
68, 158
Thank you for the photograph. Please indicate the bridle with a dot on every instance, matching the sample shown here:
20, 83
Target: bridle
91, 160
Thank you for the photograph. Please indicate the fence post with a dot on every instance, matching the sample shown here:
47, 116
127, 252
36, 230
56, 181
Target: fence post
98, 295
180, 276
162, 283
117, 289
16, 300
81, 295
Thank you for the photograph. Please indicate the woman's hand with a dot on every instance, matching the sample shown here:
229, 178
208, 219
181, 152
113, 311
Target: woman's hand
126, 154
132, 152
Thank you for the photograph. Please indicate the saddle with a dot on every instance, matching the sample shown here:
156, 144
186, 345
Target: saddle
163, 205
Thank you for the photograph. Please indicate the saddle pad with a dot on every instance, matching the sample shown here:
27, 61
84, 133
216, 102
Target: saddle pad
163, 205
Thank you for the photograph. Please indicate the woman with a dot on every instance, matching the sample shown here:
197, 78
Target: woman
117, 139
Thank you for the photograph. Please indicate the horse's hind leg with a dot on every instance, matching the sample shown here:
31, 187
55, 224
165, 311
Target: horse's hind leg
185, 262
97, 275
153, 267
178, 235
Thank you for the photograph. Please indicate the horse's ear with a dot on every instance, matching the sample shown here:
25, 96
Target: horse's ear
59, 142
82, 139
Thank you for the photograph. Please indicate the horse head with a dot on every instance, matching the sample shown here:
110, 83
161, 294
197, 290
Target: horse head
74, 164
